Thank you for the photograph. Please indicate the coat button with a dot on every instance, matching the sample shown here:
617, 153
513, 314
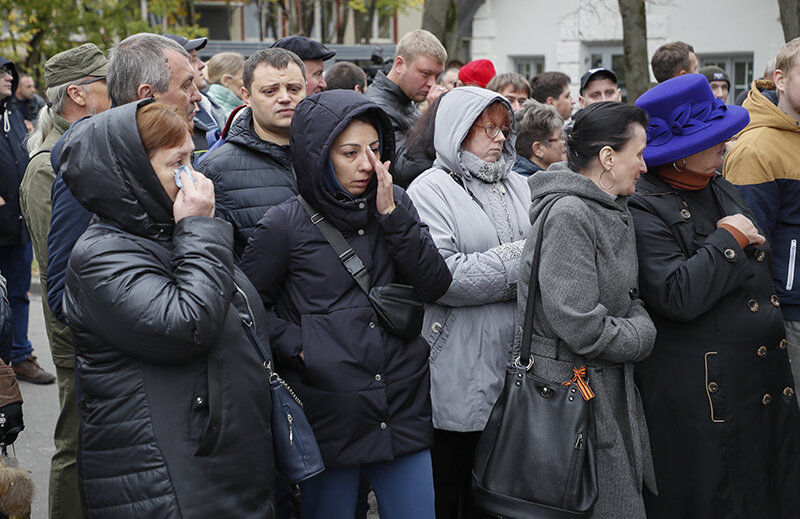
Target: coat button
752, 305
713, 387
378, 377
730, 253
361, 205
775, 301
760, 255
685, 214
634, 293
383, 425
436, 327
361, 232
372, 324
782, 344
766, 399
762, 351
788, 393
199, 400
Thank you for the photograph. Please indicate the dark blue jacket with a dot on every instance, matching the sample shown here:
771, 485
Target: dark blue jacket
250, 175
13, 161
366, 392
525, 167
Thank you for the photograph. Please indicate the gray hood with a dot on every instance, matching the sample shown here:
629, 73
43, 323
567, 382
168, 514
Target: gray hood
559, 179
457, 111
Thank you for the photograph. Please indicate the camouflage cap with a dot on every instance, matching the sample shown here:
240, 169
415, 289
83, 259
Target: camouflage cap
72, 64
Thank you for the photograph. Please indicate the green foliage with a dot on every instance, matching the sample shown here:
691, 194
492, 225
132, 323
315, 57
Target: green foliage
38, 29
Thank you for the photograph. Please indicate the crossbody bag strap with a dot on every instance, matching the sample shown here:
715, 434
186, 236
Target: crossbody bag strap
346, 254
533, 285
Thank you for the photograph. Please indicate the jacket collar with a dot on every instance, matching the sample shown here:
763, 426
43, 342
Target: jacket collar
382, 82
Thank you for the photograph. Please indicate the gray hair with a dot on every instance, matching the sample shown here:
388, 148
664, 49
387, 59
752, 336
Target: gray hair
535, 122
137, 60
274, 57
56, 96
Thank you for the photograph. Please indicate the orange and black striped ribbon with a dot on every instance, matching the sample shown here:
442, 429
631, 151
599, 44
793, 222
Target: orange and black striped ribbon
579, 378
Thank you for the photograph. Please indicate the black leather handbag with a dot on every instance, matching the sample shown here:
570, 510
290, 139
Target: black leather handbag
297, 455
399, 310
536, 456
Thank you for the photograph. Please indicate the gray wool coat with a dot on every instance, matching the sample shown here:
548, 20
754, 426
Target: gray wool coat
588, 312
471, 328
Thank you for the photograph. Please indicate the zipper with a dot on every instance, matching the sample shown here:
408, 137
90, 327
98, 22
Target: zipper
290, 419
291, 430
572, 477
252, 322
792, 258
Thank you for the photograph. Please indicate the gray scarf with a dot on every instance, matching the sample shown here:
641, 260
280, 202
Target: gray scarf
489, 172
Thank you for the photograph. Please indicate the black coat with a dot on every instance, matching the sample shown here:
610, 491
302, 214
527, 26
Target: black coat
250, 175
13, 161
717, 390
366, 392
175, 415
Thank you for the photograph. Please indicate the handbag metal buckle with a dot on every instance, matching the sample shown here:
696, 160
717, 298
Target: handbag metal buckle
518, 364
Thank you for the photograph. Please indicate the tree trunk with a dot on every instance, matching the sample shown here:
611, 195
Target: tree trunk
308, 17
790, 18
434, 17
634, 43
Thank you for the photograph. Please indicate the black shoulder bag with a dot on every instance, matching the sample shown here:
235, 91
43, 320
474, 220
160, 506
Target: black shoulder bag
297, 455
536, 457
399, 310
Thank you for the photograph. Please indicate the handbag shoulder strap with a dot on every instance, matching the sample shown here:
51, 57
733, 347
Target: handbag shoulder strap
533, 285
346, 254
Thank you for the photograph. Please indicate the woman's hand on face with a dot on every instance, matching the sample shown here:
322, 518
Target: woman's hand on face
384, 199
744, 226
194, 199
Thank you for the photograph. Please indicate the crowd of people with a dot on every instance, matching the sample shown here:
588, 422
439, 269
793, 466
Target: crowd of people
181, 209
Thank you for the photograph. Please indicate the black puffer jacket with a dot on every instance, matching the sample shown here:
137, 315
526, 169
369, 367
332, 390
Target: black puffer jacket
250, 175
175, 416
366, 392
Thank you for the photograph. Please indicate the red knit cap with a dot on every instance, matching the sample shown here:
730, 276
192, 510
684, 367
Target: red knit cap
477, 73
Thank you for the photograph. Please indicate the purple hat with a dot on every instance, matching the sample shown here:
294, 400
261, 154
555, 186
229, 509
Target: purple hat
686, 118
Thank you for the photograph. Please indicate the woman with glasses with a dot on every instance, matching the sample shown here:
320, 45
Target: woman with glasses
540, 141
477, 212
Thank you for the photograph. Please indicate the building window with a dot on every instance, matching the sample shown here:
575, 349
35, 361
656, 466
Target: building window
739, 68
612, 58
529, 66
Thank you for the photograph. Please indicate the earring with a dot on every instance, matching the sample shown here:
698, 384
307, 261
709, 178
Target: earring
676, 167
613, 180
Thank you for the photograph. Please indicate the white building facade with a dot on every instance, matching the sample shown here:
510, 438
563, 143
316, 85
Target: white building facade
573, 36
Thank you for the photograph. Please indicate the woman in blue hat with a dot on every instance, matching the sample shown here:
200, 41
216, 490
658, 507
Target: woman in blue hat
717, 390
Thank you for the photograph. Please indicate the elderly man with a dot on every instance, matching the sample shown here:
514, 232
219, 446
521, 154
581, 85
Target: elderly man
141, 66
76, 88
313, 53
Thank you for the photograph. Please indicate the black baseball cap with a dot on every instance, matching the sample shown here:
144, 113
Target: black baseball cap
186, 43
305, 48
594, 74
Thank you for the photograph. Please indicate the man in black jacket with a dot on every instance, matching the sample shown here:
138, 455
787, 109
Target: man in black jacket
252, 171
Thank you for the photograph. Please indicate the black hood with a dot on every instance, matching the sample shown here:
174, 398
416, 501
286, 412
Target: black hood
105, 166
14, 81
316, 123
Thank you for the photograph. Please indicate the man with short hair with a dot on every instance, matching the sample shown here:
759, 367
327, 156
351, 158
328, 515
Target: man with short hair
16, 252
313, 54
76, 88
346, 76
449, 78
673, 60
718, 80
140, 66
418, 61
513, 87
27, 101
253, 171
209, 120
598, 84
552, 88
764, 166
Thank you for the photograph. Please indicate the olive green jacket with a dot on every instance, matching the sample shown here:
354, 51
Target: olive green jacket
34, 192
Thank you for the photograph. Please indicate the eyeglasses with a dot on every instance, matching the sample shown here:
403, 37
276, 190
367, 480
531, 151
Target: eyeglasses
89, 81
5, 71
492, 131
562, 139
